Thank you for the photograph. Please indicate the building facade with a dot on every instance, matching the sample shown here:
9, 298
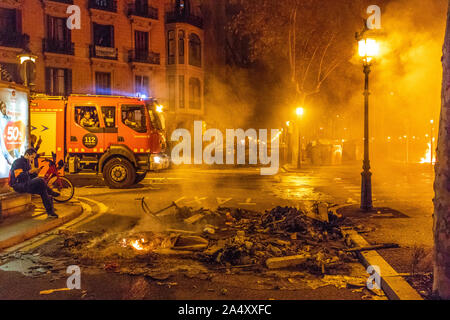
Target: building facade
123, 47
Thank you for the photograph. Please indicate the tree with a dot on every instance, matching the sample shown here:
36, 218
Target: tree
441, 226
306, 34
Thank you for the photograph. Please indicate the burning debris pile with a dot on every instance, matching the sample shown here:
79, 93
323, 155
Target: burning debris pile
280, 238
227, 238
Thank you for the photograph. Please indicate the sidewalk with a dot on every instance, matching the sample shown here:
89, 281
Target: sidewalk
15, 230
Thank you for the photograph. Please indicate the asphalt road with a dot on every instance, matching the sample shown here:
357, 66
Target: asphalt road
407, 190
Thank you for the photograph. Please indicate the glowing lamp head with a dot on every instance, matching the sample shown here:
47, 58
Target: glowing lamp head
368, 49
26, 57
288, 123
159, 108
300, 111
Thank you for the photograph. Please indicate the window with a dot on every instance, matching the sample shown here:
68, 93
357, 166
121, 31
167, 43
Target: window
10, 20
195, 50
58, 81
141, 45
172, 93
109, 116
87, 117
103, 35
142, 85
155, 120
181, 47
171, 47
133, 116
57, 29
194, 94
103, 83
141, 6
11, 72
181, 7
182, 92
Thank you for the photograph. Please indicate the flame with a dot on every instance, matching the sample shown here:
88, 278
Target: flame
427, 158
137, 245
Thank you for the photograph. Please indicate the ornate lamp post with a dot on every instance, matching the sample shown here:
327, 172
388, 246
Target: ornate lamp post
27, 68
368, 50
300, 112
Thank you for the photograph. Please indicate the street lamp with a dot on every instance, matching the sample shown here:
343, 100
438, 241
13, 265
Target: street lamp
368, 50
300, 112
27, 68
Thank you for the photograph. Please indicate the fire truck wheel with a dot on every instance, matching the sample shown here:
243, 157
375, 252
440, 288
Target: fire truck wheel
140, 177
119, 173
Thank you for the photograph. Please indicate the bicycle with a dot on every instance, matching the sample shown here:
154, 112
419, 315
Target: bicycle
58, 183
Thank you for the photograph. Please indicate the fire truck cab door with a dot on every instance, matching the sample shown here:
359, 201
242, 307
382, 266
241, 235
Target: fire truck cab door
87, 129
109, 115
134, 127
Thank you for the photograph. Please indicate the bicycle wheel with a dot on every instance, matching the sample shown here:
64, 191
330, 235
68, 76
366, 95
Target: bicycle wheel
63, 186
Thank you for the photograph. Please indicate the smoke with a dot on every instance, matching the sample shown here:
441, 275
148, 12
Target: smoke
229, 99
405, 81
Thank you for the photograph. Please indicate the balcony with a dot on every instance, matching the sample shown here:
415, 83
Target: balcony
144, 56
103, 52
142, 11
12, 39
174, 17
106, 5
58, 46
63, 1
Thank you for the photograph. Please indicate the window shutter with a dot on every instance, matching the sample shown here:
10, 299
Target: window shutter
112, 37
47, 80
19, 21
68, 81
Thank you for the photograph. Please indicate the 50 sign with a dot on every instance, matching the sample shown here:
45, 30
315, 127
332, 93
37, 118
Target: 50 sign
14, 135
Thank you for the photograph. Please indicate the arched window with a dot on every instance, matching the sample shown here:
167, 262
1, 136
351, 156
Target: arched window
195, 94
171, 47
181, 46
195, 50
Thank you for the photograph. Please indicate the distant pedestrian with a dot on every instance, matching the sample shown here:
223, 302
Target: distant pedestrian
20, 179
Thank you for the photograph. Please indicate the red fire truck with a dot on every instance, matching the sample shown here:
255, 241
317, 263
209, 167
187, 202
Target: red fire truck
120, 137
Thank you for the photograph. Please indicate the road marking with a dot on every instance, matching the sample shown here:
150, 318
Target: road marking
221, 201
182, 198
197, 200
102, 209
86, 217
247, 202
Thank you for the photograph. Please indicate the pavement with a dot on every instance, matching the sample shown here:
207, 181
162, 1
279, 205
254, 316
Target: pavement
17, 229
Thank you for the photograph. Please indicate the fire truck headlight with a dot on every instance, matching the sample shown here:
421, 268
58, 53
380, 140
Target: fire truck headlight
157, 160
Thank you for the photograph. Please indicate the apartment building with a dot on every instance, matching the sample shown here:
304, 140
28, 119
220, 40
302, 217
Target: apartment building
123, 47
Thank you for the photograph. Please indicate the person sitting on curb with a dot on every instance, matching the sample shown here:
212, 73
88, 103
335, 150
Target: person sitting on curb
20, 179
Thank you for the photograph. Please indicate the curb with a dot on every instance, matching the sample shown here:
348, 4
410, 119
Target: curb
394, 285
45, 227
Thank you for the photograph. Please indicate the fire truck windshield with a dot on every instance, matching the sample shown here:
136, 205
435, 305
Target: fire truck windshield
156, 120
134, 116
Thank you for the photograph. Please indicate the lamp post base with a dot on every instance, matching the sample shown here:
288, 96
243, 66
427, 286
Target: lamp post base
366, 191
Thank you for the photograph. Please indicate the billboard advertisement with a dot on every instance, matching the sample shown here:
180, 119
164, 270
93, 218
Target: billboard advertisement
13, 126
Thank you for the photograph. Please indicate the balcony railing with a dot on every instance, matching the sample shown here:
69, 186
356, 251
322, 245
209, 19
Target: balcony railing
107, 5
12, 39
58, 46
103, 52
174, 16
63, 1
144, 56
146, 12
